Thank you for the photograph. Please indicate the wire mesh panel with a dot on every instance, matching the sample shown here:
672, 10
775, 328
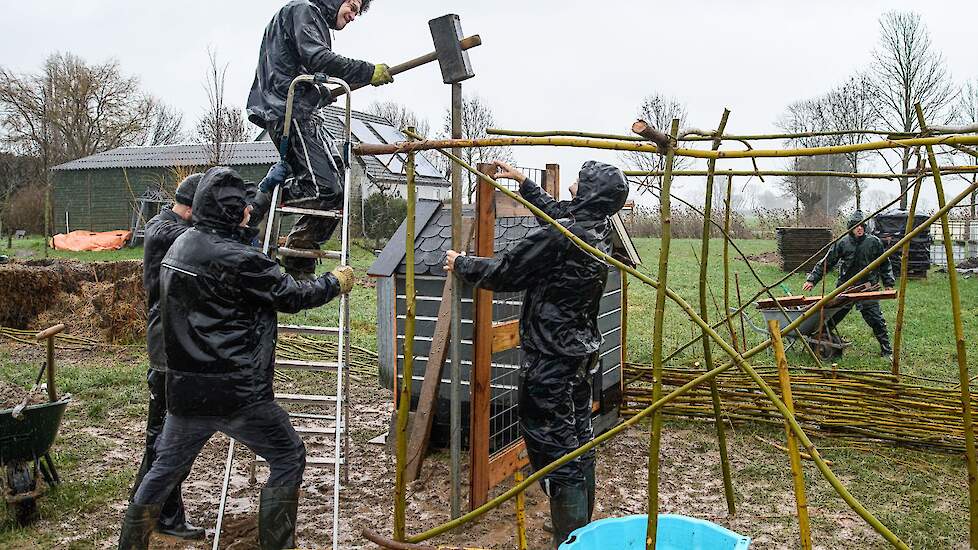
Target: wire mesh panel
504, 404
964, 241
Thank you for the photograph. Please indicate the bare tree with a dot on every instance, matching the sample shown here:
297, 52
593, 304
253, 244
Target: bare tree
967, 114
72, 109
222, 125
658, 110
851, 106
804, 117
908, 70
477, 116
166, 126
819, 197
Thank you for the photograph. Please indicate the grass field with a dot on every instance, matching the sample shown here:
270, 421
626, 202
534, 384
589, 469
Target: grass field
920, 495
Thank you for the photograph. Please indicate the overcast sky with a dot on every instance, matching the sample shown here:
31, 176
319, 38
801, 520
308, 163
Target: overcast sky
544, 64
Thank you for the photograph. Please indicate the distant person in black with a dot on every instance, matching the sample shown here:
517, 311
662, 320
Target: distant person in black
298, 41
218, 301
853, 253
559, 333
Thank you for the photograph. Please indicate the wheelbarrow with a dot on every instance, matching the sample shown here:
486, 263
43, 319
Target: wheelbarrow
27, 433
820, 335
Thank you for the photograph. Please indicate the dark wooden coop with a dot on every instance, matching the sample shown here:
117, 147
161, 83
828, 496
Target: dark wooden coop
508, 223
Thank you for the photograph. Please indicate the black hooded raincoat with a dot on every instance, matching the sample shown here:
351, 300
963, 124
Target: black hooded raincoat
218, 301
297, 42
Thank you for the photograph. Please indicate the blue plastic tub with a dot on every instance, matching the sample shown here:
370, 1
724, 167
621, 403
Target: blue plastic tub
674, 533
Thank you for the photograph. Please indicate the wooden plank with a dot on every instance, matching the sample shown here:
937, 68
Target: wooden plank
552, 185
505, 336
424, 416
482, 350
507, 462
509, 208
787, 301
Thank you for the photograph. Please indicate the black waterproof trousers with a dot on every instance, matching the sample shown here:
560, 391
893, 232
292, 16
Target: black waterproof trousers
555, 415
317, 184
172, 514
873, 315
264, 428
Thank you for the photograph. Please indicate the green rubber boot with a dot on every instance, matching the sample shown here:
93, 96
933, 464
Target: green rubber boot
277, 511
137, 526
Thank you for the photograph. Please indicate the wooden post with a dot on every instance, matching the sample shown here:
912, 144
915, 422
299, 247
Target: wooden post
728, 491
665, 212
485, 228
797, 473
962, 350
404, 397
521, 543
904, 275
553, 181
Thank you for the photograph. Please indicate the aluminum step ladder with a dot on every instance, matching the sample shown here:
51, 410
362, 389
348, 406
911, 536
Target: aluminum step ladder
332, 411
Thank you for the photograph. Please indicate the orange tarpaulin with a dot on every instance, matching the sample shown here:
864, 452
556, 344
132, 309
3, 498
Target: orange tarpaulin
78, 241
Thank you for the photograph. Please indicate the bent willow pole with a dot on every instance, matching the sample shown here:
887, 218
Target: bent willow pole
738, 359
427, 145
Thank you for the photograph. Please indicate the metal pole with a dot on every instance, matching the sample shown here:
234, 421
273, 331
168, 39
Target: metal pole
224, 494
455, 443
962, 350
665, 215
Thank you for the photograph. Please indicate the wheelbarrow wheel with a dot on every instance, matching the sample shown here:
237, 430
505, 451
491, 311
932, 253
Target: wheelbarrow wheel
830, 348
21, 481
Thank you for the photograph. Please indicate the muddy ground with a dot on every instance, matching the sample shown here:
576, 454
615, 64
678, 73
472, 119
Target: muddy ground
690, 484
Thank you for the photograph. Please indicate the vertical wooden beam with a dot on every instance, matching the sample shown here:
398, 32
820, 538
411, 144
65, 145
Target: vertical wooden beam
404, 401
728, 491
797, 473
665, 211
904, 275
485, 228
552, 185
962, 350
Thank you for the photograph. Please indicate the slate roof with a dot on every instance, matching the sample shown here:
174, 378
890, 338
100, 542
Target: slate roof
258, 152
433, 230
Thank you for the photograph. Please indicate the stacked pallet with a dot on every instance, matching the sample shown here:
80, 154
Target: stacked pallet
796, 245
891, 227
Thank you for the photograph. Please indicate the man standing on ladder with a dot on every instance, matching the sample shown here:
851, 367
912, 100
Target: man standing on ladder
853, 253
218, 301
558, 328
297, 42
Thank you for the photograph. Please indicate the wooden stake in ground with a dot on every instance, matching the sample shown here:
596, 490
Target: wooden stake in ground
797, 473
962, 350
904, 275
665, 215
728, 491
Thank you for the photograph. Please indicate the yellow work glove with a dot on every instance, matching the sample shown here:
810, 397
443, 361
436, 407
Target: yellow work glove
382, 75
344, 274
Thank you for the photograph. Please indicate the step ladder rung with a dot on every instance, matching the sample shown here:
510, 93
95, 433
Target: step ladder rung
303, 329
316, 430
306, 399
312, 254
311, 416
313, 461
313, 366
310, 212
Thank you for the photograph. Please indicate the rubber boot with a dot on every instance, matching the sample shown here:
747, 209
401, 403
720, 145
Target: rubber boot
277, 511
590, 485
137, 526
568, 510
886, 350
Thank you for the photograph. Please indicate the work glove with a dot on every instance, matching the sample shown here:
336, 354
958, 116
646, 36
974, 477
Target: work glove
276, 176
382, 75
344, 274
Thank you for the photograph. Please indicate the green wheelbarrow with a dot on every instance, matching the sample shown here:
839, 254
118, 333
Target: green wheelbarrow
27, 433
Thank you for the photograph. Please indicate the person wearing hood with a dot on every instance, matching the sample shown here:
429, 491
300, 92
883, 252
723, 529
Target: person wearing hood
218, 301
853, 253
161, 231
297, 42
559, 332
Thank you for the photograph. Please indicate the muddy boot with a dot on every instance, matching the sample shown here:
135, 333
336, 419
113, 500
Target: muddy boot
137, 526
568, 510
886, 350
277, 512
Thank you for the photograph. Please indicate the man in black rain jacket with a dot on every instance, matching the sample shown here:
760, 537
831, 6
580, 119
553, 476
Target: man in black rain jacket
218, 301
161, 232
558, 328
853, 253
297, 42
